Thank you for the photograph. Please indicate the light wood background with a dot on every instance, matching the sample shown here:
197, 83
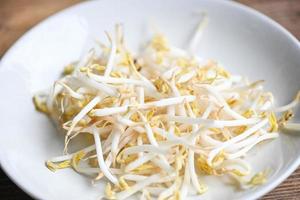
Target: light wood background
17, 16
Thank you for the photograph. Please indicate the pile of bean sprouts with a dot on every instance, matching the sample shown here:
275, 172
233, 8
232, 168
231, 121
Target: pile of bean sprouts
160, 119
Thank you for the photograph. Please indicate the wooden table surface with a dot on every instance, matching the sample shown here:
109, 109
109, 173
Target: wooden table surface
17, 16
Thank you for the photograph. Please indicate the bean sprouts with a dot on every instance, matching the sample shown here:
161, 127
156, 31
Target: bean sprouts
155, 122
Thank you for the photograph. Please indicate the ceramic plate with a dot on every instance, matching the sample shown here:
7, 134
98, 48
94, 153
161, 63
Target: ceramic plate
245, 41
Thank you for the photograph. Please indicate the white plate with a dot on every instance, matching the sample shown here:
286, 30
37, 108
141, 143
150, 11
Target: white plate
242, 39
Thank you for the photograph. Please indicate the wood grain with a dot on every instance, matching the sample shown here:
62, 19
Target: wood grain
285, 12
17, 16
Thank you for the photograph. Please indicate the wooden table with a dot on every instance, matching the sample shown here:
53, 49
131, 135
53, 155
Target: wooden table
17, 16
